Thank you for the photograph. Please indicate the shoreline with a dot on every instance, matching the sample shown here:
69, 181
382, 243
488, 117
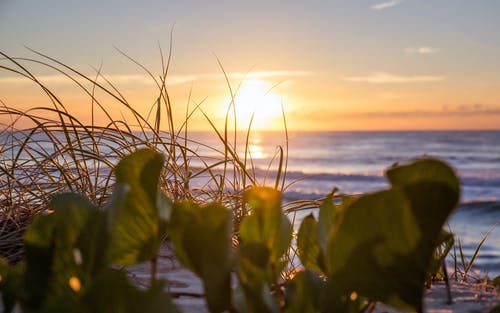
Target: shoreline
187, 289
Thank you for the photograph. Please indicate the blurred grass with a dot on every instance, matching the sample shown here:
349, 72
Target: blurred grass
59, 152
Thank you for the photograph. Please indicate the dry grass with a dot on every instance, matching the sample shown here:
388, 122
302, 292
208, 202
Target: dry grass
59, 152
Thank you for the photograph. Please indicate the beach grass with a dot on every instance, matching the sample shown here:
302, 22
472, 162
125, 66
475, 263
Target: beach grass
48, 149
59, 151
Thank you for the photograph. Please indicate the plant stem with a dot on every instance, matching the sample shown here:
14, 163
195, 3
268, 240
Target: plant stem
154, 263
447, 281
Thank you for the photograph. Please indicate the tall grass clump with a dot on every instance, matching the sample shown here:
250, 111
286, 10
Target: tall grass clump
48, 149
155, 180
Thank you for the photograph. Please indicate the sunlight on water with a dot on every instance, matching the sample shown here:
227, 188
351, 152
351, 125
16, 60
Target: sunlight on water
256, 151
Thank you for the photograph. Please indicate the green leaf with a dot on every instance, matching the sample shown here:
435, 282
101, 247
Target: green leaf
112, 292
10, 284
133, 216
377, 234
433, 190
496, 281
80, 235
57, 249
39, 260
309, 250
265, 236
304, 293
252, 269
328, 216
443, 246
202, 242
267, 225
427, 171
385, 240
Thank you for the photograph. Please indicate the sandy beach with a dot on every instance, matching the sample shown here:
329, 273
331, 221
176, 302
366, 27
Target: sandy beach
188, 290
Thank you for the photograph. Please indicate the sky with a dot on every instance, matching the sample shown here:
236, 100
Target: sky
330, 65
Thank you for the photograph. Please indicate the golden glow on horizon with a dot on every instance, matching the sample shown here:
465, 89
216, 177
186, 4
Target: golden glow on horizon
256, 98
310, 104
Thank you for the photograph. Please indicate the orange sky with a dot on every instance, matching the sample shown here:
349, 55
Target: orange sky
369, 65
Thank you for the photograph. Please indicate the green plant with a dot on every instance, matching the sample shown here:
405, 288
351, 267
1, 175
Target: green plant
377, 247
444, 244
466, 265
71, 253
52, 148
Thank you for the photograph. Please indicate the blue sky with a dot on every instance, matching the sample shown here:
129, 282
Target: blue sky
348, 60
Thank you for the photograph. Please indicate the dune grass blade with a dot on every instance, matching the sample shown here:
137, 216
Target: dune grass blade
48, 149
467, 266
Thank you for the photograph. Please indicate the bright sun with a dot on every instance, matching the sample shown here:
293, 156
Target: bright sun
256, 97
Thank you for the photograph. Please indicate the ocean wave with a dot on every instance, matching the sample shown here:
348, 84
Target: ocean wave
296, 175
486, 207
480, 181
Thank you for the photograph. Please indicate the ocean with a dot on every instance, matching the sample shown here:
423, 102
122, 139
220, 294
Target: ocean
355, 162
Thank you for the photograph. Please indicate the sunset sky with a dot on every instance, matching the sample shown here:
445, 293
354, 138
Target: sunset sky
333, 65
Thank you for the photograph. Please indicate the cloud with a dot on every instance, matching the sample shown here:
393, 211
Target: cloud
444, 111
421, 50
65, 80
388, 78
265, 74
386, 5
146, 80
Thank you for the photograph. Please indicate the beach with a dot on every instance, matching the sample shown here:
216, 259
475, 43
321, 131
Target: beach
355, 163
187, 290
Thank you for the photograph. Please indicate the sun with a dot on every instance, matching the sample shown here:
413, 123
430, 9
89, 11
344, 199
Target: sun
256, 97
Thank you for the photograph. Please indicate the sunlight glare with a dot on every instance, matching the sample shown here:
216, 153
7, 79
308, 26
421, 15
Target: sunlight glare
256, 151
256, 97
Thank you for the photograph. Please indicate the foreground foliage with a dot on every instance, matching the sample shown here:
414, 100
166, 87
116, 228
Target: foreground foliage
377, 247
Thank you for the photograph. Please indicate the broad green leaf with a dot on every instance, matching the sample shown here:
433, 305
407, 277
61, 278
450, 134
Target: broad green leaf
253, 276
180, 226
39, 260
51, 243
40, 232
112, 292
267, 224
309, 250
496, 281
133, 216
443, 246
80, 235
385, 240
424, 171
329, 213
202, 242
263, 200
433, 190
265, 236
304, 293
377, 234
10, 284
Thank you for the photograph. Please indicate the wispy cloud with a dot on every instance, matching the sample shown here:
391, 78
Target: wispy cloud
269, 74
444, 111
386, 5
146, 80
388, 78
420, 50
68, 80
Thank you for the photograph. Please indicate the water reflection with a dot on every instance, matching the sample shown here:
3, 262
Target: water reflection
256, 151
